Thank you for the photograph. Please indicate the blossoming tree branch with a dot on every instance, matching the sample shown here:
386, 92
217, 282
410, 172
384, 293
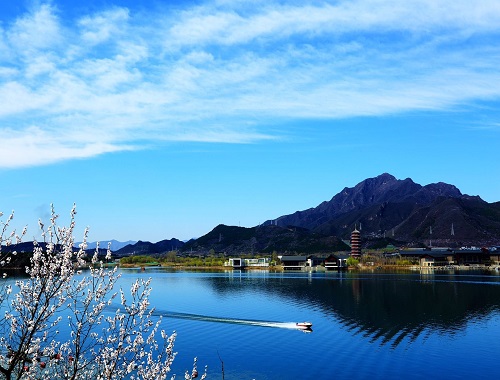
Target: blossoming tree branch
66, 319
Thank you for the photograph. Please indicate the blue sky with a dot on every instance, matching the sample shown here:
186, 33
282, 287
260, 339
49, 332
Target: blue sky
164, 119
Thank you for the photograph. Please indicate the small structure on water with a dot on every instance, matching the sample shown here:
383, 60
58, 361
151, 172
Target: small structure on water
239, 263
336, 261
293, 262
333, 262
438, 257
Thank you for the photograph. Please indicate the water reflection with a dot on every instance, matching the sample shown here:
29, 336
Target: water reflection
383, 307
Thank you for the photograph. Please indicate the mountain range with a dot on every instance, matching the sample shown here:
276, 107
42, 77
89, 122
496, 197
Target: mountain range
405, 211
148, 248
114, 244
386, 210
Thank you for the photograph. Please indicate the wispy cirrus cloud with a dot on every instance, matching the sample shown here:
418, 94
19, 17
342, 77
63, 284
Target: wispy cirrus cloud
222, 71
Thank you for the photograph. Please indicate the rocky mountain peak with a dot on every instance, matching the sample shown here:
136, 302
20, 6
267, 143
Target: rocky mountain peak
371, 192
443, 189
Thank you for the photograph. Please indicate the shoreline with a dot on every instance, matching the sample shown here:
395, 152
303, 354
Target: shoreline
369, 268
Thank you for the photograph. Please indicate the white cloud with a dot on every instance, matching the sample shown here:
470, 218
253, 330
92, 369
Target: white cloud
102, 27
206, 24
37, 30
36, 146
38, 66
219, 72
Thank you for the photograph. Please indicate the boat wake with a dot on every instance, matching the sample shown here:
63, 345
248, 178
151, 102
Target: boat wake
236, 321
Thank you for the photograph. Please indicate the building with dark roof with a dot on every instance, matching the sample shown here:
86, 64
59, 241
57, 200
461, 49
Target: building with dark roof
441, 257
293, 262
336, 261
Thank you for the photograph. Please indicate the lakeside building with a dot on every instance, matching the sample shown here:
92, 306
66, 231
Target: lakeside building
336, 261
299, 263
426, 258
444, 257
430, 258
294, 262
239, 263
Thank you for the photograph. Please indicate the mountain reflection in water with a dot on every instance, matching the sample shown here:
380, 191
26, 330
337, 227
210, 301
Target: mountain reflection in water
387, 307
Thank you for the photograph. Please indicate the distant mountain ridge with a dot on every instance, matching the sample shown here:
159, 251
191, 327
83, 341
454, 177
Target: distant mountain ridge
384, 206
115, 244
385, 210
147, 248
372, 191
264, 239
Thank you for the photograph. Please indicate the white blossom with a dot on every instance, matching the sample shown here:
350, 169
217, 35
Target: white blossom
126, 344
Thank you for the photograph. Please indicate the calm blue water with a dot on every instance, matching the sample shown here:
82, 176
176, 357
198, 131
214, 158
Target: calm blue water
380, 326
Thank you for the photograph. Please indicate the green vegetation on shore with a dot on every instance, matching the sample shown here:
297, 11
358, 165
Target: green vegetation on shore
171, 259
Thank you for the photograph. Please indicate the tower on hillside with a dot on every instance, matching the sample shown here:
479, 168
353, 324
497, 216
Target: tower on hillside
355, 243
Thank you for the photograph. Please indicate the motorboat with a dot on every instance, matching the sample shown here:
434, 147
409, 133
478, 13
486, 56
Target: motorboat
304, 325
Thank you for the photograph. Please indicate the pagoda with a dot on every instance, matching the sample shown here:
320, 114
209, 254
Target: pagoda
355, 243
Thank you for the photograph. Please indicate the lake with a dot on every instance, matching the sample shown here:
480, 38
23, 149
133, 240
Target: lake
365, 325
